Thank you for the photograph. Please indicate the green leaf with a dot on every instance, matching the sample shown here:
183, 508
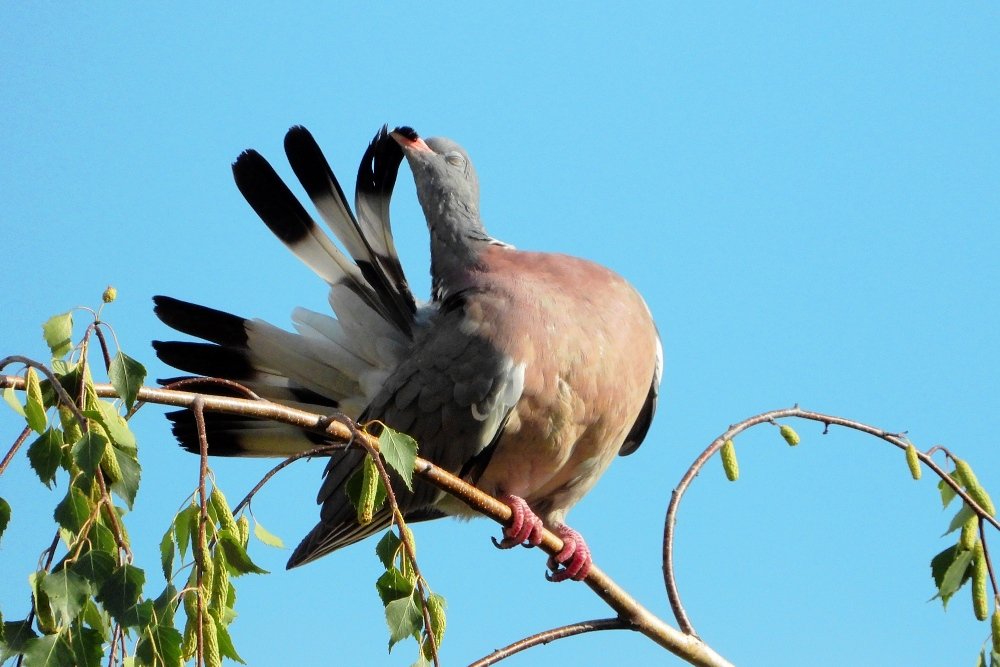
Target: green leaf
403, 616
393, 585
267, 538
947, 493
400, 452
138, 615
236, 555
167, 553
93, 617
387, 548
114, 424
101, 538
160, 645
94, 566
58, 333
34, 408
73, 510
69, 375
43, 612
226, 647
88, 450
67, 593
4, 518
959, 519
126, 375
10, 396
45, 455
87, 646
128, 486
185, 523
15, 635
120, 592
48, 651
951, 569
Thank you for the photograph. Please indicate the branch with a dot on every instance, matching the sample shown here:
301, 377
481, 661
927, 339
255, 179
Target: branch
670, 522
550, 636
688, 647
13, 449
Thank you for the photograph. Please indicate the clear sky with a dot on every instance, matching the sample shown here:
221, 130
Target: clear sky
807, 194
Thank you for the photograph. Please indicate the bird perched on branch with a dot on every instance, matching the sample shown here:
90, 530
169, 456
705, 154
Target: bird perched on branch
526, 373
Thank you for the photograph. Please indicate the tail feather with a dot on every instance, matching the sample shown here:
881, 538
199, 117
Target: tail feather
329, 363
234, 435
278, 208
320, 183
372, 194
201, 321
300, 359
206, 359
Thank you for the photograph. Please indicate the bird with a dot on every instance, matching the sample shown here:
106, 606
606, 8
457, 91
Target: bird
525, 373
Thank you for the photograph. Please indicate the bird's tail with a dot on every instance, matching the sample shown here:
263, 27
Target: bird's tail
329, 364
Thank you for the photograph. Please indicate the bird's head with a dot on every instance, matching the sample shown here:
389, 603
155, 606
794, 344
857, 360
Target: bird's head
445, 179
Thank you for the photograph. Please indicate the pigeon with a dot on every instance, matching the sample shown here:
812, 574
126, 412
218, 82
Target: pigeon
526, 373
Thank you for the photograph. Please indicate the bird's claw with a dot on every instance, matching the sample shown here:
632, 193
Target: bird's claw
573, 561
524, 526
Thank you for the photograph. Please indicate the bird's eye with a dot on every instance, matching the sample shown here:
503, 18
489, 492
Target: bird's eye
455, 159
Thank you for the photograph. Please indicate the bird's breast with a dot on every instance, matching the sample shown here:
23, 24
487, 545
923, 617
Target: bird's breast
588, 346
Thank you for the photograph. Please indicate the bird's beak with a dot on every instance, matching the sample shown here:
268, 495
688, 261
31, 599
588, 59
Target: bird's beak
409, 140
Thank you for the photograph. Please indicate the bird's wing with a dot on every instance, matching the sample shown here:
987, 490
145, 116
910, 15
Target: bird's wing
452, 393
642, 423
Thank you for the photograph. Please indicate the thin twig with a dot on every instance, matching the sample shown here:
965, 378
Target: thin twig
9, 456
671, 518
16, 382
321, 450
104, 344
404, 535
199, 417
114, 645
112, 515
550, 636
986, 556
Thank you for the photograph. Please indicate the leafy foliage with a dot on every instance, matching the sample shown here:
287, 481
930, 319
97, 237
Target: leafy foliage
90, 603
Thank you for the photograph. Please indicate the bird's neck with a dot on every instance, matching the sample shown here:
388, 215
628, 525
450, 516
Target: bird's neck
457, 241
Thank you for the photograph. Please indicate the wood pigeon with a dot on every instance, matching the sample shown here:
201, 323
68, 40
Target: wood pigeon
525, 374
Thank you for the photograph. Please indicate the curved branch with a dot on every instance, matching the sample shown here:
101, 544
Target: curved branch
670, 521
550, 636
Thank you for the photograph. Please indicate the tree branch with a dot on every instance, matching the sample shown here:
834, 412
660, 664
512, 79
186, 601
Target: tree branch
688, 647
551, 636
670, 521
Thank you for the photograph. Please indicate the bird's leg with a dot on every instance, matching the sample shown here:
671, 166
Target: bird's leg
572, 562
574, 558
524, 526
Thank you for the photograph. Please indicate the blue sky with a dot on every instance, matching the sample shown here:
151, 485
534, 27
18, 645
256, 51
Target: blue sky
806, 194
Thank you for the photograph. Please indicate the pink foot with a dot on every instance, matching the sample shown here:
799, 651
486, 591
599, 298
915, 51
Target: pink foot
524, 527
574, 558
